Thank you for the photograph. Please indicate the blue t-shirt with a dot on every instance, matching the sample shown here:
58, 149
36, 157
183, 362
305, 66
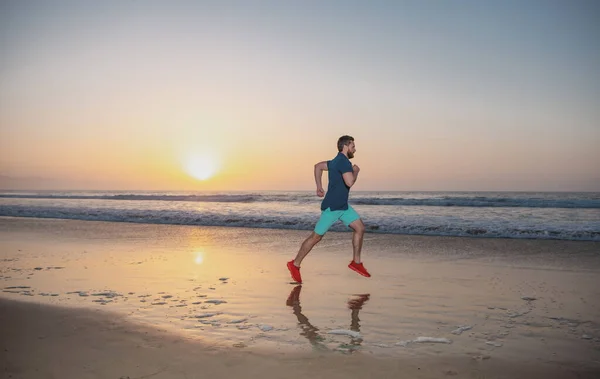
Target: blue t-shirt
337, 191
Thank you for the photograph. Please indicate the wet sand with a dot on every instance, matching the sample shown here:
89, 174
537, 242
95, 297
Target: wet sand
42, 341
112, 300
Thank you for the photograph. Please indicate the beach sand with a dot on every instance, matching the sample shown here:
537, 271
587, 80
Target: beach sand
116, 300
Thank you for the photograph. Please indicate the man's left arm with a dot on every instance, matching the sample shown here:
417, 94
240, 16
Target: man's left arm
355, 171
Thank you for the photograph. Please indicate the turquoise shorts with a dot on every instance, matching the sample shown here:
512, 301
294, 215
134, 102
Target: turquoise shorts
329, 217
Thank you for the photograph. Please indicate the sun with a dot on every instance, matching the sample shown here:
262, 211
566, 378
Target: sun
201, 166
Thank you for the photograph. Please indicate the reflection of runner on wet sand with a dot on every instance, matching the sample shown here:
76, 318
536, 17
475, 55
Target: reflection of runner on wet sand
308, 330
356, 305
311, 332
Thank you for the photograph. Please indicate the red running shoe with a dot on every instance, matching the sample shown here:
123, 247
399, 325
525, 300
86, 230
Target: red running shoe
358, 267
295, 271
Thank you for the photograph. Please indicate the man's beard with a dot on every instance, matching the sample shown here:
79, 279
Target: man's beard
350, 155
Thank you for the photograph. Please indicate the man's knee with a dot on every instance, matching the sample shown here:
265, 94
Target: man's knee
316, 237
358, 226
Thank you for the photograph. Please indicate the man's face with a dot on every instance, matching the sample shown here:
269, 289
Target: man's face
351, 150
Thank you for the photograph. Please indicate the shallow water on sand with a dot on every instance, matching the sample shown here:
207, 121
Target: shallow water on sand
230, 288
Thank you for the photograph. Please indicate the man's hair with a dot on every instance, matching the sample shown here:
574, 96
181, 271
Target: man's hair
344, 140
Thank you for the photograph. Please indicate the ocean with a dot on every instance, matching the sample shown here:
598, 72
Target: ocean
534, 215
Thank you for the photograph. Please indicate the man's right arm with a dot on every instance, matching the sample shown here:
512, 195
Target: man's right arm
319, 168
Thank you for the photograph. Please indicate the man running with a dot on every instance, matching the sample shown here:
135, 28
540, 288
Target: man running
342, 175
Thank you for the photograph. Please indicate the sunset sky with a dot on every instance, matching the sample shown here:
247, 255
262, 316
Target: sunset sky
439, 95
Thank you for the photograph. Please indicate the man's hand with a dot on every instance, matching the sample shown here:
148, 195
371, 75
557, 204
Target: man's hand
320, 192
355, 168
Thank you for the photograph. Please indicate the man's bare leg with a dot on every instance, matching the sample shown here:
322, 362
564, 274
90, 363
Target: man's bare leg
357, 238
306, 247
